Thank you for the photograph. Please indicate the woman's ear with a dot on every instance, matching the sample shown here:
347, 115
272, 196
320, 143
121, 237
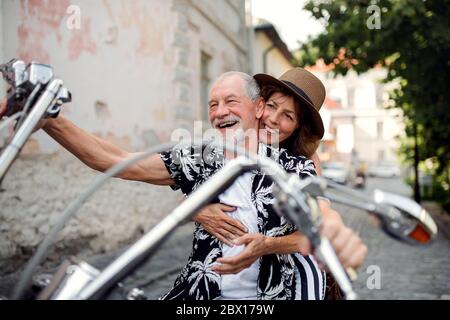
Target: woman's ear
260, 108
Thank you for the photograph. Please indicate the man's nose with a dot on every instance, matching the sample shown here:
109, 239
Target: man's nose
222, 110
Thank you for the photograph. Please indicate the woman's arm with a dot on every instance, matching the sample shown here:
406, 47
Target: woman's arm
348, 246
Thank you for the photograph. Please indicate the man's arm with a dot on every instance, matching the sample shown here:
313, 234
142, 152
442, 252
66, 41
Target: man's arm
101, 155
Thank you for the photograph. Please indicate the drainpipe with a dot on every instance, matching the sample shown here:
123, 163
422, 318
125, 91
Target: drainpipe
250, 37
266, 52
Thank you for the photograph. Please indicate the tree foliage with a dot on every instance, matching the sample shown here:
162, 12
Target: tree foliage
412, 43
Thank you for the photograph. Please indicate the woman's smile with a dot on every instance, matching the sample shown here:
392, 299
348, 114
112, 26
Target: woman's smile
279, 119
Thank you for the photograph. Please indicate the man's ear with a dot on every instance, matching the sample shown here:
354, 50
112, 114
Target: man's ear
260, 108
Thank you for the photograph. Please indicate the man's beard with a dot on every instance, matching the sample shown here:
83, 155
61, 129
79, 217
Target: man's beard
235, 135
230, 127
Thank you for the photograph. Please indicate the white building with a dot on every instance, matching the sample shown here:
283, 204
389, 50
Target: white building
270, 53
356, 117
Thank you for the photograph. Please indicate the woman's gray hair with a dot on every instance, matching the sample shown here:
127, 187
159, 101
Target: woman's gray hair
251, 86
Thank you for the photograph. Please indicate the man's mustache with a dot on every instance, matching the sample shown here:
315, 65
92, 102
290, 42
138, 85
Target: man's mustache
231, 118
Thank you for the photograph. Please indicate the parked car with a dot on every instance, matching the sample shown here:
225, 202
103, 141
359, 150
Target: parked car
336, 171
384, 170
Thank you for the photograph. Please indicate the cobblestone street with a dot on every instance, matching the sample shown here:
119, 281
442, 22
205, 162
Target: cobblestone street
407, 272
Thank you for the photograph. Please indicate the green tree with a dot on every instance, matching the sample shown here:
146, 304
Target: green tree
412, 42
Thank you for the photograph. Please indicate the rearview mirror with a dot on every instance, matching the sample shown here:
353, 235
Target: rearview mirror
404, 218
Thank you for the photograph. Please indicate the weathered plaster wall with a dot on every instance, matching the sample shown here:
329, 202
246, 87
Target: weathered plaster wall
38, 189
118, 64
133, 70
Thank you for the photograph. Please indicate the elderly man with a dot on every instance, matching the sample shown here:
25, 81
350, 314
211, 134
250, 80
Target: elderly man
270, 266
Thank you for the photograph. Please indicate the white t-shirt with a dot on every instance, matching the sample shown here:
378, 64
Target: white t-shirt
243, 284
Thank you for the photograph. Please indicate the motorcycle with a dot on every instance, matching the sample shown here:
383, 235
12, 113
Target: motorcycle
360, 181
36, 94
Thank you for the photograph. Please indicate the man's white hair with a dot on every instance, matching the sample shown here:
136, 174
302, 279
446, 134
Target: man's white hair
251, 86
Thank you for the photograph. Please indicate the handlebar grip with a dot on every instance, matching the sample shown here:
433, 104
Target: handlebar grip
326, 253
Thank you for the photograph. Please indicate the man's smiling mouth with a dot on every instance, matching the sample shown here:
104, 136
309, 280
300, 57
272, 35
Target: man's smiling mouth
226, 124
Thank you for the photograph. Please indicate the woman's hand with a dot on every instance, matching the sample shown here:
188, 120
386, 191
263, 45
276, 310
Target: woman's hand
348, 246
215, 221
255, 247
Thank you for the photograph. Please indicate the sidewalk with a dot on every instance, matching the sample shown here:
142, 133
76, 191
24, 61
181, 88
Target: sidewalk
406, 271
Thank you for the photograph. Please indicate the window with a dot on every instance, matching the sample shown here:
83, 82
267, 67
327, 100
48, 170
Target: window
335, 93
381, 154
204, 84
379, 95
351, 97
380, 130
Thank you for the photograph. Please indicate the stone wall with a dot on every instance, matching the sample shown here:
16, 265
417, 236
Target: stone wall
37, 190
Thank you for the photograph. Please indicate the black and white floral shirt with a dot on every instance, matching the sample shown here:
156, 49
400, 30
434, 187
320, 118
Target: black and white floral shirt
189, 167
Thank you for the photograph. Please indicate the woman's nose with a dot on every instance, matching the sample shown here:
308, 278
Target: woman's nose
274, 118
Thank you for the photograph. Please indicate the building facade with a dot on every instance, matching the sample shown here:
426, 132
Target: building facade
137, 70
357, 119
270, 53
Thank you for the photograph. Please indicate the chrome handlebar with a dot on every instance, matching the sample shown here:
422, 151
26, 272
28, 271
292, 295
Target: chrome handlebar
36, 93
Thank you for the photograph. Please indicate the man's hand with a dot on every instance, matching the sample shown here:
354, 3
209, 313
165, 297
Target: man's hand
255, 247
348, 246
3, 108
215, 221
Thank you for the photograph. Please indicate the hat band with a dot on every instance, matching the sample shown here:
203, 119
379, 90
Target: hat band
298, 91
